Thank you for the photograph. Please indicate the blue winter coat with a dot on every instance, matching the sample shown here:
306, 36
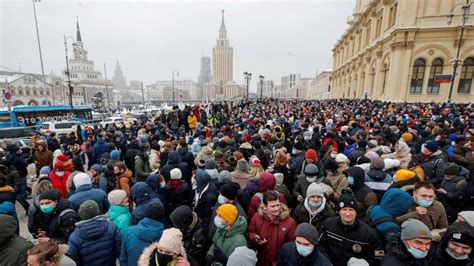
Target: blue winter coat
289, 256
95, 242
86, 192
120, 216
141, 195
394, 203
98, 150
174, 161
138, 238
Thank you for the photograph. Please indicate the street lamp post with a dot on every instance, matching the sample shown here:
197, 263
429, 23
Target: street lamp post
68, 74
172, 83
261, 78
465, 16
40, 53
247, 77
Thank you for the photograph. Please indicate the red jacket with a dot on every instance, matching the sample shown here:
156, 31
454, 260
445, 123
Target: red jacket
59, 183
276, 232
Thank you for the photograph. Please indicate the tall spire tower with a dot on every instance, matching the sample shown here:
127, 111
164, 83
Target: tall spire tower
222, 56
78, 38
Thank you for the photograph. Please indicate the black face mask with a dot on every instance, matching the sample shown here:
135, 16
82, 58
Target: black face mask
163, 259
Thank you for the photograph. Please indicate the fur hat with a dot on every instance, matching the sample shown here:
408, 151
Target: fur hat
172, 240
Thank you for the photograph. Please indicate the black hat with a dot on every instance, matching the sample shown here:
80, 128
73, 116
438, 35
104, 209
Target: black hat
154, 210
452, 169
230, 190
331, 164
308, 232
347, 200
182, 217
49, 195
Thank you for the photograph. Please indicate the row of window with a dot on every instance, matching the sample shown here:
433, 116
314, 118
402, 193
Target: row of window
418, 74
27, 92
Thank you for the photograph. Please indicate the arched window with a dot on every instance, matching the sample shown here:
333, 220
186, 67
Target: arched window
436, 68
417, 76
27, 92
467, 73
35, 93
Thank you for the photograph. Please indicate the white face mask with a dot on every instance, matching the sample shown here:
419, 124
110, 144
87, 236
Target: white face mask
60, 173
465, 257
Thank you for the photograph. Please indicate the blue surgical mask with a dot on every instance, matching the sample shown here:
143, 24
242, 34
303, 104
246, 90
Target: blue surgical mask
304, 250
315, 204
47, 209
418, 254
218, 222
350, 180
424, 203
221, 199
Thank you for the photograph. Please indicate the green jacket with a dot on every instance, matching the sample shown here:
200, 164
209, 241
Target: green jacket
13, 248
142, 169
120, 216
227, 241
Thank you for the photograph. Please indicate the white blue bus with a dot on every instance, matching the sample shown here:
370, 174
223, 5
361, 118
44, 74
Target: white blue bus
34, 116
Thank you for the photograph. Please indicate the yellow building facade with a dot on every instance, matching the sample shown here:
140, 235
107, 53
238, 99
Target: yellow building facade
393, 49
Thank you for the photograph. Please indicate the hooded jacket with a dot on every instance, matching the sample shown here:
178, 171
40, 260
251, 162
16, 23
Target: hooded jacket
186, 157
289, 256
124, 182
441, 257
267, 182
398, 255
13, 248
138, 238
98, 149
60, 182
277, 232
95, 242
174, 161
394, 203
43, 158
205, 197
58, 227
301, 214
142, 195
364, 195
205, 154
434, 168
86, 192
120, 216
227, 241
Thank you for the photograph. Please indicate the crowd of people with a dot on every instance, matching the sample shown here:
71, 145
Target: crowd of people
260, 182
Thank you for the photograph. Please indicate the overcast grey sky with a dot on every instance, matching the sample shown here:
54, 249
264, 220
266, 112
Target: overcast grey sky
150, 38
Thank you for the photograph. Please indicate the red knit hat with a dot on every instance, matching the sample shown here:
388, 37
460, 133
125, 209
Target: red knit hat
63, 163
311, 155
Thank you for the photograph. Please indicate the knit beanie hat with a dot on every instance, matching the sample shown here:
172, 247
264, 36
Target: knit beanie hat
88, 210
311, 155
461, 232
99, 168
452, 169
353, 261
341, 158
254, 161
172, 240
82, 179
242, 165
182, 217
377, 163
116, 196
242, 256
230, 190
115, 155
403, 174
224, 176
210, 164
175, 173
468, 216
413, 228
279, 178
49, 195
407, 137
45, 170
238, 155
314, 189
228, 212
347, 200
311, 170
308, 232
154, 210
432, 145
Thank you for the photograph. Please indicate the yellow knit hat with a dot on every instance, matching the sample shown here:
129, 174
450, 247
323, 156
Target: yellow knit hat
228, 212
407, 137
402, 175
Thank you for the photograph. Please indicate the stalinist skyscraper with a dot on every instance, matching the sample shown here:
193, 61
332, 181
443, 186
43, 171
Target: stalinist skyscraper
222, 86
222, 57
